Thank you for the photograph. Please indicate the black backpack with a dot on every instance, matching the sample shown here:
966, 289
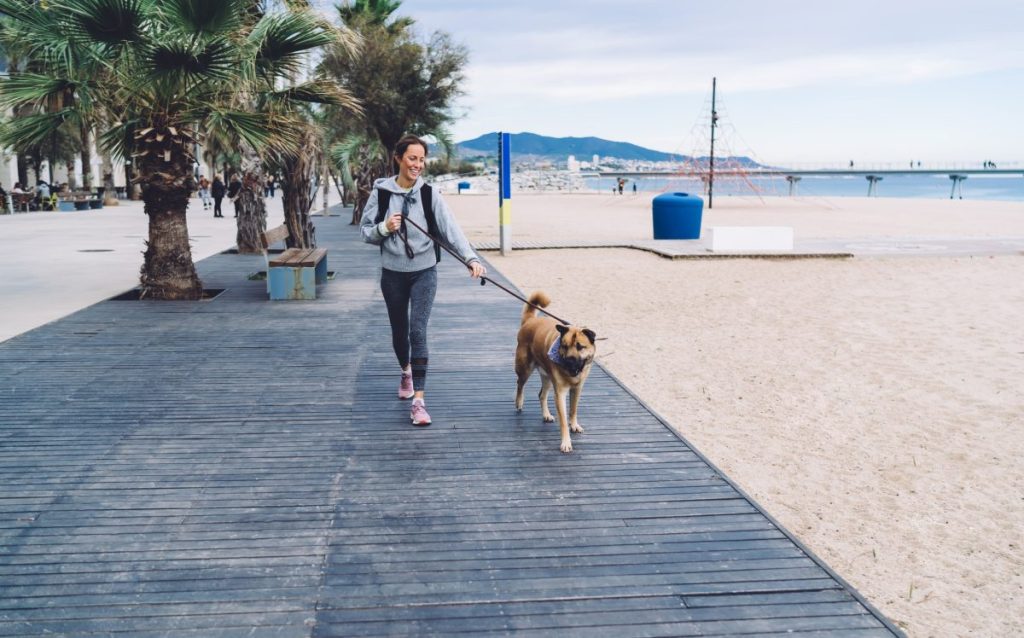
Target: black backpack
427, 195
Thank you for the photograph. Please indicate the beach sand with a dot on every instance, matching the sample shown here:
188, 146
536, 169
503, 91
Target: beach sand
874, 406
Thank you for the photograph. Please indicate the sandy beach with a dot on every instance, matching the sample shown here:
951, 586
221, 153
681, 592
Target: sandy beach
874, 405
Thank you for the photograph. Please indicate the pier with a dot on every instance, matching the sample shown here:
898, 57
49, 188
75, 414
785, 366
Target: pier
793, 176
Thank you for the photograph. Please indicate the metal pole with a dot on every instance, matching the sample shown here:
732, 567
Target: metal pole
711, 164
505, 192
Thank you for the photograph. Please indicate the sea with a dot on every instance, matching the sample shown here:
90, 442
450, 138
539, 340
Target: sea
976, 187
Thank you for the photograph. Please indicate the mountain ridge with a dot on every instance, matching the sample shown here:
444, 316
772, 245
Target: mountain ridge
583, 148
532, 145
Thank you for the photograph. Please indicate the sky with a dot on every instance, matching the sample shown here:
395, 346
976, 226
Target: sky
798, 81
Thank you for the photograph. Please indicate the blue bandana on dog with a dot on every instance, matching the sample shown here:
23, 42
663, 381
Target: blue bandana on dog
571, 366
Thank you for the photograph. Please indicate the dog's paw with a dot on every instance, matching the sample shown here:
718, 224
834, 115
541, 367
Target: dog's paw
566, 447
548, 418
576, 427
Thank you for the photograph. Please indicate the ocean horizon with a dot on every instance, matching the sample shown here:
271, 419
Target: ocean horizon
975, 187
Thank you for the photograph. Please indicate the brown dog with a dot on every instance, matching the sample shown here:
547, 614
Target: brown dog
562, 354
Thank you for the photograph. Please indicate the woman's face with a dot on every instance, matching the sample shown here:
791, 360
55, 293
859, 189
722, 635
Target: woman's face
410, 165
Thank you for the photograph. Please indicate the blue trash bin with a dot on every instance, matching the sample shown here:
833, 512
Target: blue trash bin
677, 216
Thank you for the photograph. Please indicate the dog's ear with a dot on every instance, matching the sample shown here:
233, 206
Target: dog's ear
590, 334
562, 329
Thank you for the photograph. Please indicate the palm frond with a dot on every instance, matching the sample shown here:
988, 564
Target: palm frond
349, 41
262, 131
183, 62
355, 151
108, 22
204, 16
32, 89
118, 139
33, 33
29, 130
319, 92
281, 39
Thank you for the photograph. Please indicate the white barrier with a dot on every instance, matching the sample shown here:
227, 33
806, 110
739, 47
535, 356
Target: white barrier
740, 238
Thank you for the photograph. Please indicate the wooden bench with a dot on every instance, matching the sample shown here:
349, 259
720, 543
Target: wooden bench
294, 273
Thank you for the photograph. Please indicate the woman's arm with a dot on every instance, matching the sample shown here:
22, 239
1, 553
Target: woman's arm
452, 233
372, 232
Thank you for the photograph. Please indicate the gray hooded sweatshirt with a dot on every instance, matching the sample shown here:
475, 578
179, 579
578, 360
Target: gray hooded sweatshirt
393, 255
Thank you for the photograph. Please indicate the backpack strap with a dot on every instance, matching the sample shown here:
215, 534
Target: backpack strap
383, 199
427, 195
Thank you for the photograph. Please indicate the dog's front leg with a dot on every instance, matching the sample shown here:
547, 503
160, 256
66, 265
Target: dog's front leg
563, 423
574, 402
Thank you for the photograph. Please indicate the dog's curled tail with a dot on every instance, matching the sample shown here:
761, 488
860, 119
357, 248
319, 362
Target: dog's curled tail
538, 298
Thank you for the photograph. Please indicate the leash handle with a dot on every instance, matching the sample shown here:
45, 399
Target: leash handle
484, 278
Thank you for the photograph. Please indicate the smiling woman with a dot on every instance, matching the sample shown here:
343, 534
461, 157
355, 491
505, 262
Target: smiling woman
409, 259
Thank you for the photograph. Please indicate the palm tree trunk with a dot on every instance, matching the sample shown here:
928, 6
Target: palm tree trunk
364, 187
168, 271
252, 213
86, 156
296, 195
109, 190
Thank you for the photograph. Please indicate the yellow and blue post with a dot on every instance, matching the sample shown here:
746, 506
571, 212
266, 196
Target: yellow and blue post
505, 192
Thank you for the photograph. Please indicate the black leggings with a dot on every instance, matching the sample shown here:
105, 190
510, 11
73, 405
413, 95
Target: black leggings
216, 206
409, 297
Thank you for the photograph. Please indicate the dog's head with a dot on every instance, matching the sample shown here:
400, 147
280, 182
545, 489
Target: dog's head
575, 347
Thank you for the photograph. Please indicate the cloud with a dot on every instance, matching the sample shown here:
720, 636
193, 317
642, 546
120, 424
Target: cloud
600, 75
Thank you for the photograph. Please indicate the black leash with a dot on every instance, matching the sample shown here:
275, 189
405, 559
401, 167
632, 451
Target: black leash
484, 278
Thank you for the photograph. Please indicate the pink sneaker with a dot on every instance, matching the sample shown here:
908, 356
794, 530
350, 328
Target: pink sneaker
405, 390
418, 414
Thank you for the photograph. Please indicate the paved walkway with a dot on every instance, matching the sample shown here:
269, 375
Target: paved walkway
237, 467
803, 248
55, 263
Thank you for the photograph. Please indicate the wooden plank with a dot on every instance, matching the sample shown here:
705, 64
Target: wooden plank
274, 235
287, 258
176, 469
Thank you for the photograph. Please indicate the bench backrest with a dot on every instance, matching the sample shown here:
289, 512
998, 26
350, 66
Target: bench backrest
273, 235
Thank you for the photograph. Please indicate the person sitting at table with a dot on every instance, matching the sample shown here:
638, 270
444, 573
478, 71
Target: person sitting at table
43, 195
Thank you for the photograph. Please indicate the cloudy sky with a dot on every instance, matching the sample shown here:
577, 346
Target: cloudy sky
798, 80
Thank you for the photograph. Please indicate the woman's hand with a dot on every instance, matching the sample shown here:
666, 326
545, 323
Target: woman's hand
477, 269
393, 223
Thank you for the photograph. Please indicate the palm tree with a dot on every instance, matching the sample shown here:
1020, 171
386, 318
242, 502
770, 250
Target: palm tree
173, 70
404, 86
374, 13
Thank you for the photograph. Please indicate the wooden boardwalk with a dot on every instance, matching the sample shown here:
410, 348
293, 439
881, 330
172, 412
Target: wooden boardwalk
237, 467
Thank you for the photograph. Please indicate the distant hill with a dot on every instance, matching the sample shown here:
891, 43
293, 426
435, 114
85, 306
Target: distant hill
561, 147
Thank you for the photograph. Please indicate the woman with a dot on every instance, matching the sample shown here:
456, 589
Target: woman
204, 192
234, 188
409, 258
217, 190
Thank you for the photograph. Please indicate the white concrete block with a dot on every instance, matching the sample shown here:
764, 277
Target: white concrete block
742, 238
